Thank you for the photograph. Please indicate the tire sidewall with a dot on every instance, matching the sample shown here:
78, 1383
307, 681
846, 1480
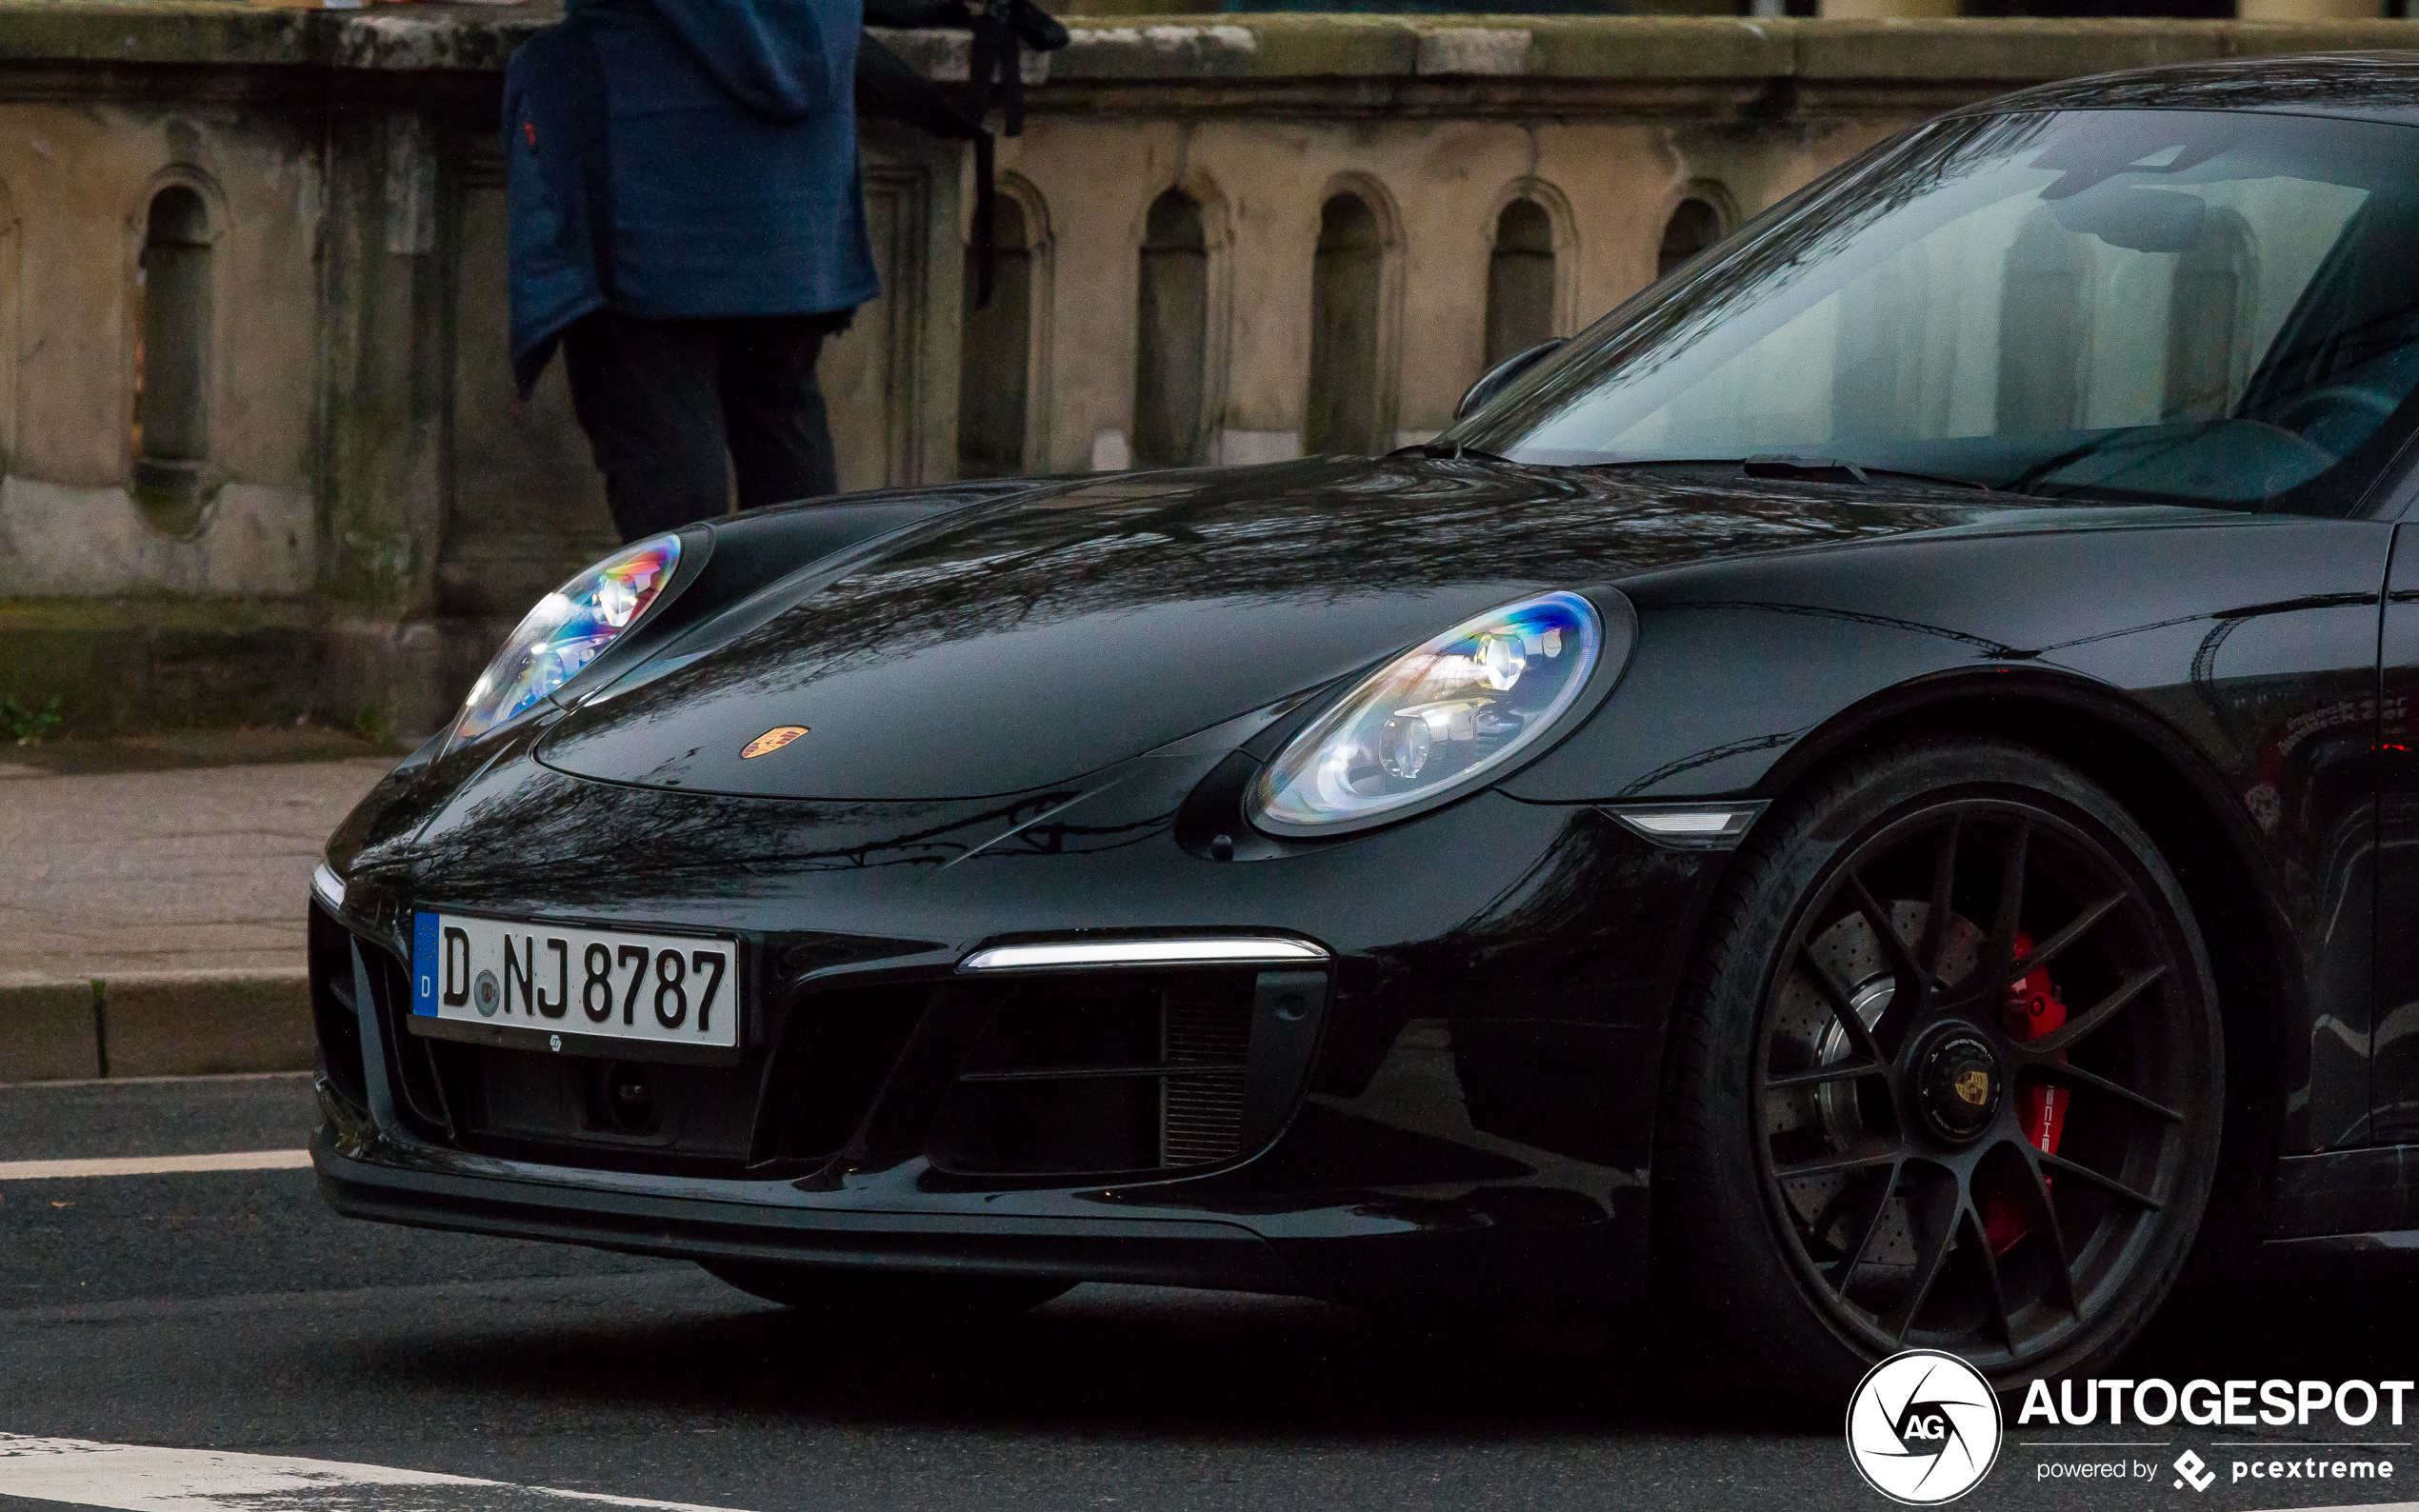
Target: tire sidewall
1774, 881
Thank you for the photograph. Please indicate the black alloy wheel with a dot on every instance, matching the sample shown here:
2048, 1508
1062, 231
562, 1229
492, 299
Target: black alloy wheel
1950, 1075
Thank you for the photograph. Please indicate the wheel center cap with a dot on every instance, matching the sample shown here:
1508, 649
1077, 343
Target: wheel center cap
1957, 1085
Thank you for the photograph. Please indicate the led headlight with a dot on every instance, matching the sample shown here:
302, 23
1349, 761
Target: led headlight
1435, 720
565, 632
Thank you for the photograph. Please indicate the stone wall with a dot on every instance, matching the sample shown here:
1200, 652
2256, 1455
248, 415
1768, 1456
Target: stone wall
261, 453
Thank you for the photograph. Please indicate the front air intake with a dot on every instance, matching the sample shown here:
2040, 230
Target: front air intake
1205, 1045
1076, 1073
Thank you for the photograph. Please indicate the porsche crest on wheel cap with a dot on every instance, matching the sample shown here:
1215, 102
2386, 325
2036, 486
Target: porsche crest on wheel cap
1957, 1085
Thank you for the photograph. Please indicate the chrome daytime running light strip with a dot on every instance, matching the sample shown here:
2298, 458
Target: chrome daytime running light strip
1209, 951
330, 887
1690, 826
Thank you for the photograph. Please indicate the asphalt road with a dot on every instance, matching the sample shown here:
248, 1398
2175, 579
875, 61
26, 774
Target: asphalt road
229, 1311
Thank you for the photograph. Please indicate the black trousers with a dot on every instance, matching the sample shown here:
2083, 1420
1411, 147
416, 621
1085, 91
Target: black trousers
664, 402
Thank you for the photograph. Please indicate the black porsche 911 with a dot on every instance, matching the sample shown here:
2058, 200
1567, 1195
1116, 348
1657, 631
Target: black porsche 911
1872, 790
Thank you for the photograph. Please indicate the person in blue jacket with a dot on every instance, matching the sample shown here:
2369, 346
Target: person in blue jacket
688, 226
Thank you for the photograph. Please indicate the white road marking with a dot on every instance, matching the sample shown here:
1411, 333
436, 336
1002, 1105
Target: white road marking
37, 1088
136, 1478
154, 1165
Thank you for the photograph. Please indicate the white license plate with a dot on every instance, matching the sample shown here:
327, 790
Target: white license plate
611, 983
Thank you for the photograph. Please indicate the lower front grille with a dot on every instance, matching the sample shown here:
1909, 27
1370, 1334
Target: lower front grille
838, 1051
1063, 1074
1205, 1045
621, 1112
1118, 1071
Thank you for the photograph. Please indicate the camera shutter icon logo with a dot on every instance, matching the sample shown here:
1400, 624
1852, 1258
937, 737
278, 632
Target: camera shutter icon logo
1923, 1427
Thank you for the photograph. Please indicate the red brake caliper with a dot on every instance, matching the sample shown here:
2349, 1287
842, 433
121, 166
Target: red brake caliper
2033, 1009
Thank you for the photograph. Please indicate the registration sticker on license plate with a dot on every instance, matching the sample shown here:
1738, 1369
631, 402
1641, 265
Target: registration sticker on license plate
571, 985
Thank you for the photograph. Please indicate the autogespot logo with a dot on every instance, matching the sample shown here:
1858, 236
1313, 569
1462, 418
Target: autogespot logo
1923, 1427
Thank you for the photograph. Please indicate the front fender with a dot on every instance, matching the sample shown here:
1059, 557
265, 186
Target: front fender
2215, 626
2230, 661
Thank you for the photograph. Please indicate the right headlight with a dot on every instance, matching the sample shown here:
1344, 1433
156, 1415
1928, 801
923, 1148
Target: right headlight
565, 632
1435, 721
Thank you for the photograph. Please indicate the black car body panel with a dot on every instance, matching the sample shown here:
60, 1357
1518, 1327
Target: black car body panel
1130, 613
1033, 712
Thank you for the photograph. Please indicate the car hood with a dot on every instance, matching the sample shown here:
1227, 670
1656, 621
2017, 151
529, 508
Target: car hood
1008, 647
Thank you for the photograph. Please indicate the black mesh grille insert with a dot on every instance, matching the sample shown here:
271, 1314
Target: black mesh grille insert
1108, 1072
1201, 1112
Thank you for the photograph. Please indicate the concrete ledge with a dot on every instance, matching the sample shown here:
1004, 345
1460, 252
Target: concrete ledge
119, 665
2008, 52
1657, 48
2253, 39
132, 666
427, 38
50, 1033
211, 31
194, 1024
174, 1023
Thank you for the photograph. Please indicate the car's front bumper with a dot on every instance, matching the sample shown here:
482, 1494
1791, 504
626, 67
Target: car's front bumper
1470, 1250
741, 1219
1471, 1128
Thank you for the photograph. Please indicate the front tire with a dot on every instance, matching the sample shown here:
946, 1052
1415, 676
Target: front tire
1948, 1073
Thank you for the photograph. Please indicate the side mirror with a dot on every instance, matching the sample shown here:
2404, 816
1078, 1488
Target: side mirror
1498, 378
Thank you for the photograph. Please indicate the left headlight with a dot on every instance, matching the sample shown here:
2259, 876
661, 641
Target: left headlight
1435, 721
565, 632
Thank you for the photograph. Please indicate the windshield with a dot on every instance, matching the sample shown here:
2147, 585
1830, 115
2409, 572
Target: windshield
2170, 307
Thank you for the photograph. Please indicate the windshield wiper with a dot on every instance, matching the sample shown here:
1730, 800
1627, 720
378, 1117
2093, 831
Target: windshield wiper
1811, 469
1445, 451
1804, 469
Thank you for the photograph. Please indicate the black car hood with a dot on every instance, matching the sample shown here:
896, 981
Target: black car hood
1024, 643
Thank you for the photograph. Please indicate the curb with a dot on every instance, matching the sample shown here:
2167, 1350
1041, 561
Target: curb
163, 1024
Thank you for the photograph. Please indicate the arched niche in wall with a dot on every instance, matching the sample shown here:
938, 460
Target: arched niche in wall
1701, 217
2042, 336
1003, 383
2209, 306
1349, 409
175, 300
1529, 283
1172, 339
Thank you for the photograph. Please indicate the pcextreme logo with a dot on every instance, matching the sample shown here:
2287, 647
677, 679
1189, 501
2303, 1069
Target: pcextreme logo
2191, 1469
1923, 1427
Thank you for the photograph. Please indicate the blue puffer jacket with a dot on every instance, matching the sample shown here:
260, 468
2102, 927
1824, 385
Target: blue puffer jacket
684, 157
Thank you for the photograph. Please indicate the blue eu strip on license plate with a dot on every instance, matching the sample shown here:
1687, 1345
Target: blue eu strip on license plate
423, 965
663, 989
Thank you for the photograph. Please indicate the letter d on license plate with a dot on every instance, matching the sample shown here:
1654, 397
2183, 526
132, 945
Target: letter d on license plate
591, 984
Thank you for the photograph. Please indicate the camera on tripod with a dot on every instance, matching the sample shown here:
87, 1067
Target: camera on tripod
1002, 32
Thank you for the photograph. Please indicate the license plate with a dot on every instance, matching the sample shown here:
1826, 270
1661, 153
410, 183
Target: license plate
567, 984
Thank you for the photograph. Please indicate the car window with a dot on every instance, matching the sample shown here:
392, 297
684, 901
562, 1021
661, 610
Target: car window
2161, 305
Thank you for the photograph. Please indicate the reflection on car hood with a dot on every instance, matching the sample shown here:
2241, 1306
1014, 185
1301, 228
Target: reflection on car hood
1025, 644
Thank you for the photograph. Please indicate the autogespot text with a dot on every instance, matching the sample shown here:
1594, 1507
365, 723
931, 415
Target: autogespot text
2214, 1403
